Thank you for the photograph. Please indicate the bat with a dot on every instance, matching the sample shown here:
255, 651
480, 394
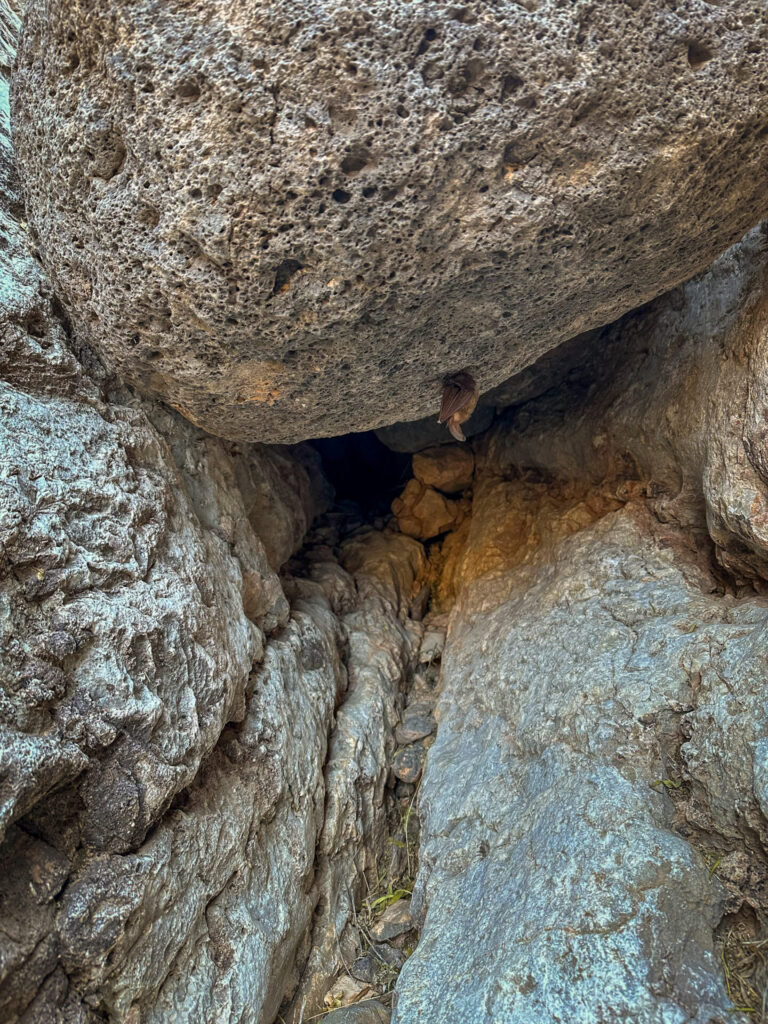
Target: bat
459, 401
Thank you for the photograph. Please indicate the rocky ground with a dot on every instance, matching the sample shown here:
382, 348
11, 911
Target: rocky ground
383, 727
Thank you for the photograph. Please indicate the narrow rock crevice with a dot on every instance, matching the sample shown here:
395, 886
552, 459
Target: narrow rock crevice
383, 726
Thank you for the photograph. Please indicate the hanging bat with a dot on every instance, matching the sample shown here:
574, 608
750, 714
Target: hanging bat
459, 401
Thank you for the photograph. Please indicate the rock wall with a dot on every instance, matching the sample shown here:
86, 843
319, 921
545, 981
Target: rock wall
204, 661
595, 795
170, 818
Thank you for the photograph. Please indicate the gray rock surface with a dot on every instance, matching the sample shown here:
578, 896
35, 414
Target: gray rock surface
232, 885
294, 221
370, 1011
595, 791
165, 711
354, 841
573, 686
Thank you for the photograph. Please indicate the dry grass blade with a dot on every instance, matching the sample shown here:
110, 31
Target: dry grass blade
745, 963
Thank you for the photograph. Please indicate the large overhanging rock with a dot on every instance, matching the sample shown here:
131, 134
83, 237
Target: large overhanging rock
293, 220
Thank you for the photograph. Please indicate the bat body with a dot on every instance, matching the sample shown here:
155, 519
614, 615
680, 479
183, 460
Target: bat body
459, 401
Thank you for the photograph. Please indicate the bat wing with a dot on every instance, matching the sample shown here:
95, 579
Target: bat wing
456, 430
455, 397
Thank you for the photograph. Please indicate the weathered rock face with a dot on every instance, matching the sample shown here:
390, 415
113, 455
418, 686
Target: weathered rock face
423, 512
266, 849
448, 468
292, 222
200, 753
595, 794
574, 686
677, 402
380, 647
170, 827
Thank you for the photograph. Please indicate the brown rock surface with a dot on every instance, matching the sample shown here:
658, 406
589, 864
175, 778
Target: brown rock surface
292, 222
423, 512
448, 468
677, 400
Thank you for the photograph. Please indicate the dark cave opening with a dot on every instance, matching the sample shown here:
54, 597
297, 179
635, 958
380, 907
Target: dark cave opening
364, 471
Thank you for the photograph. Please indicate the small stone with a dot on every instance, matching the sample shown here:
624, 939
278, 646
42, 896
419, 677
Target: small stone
448, 468
423, 512
408, 763
432, 646
347, 988
404, 790
419, 707
389, 955
414, 727
379, 965
370, 1011
396, 920
365, 968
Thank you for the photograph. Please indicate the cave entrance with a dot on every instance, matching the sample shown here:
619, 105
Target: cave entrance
364, 471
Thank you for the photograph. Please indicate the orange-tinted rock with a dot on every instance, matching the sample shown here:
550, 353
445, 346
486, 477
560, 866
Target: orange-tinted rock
423, 512
448, 468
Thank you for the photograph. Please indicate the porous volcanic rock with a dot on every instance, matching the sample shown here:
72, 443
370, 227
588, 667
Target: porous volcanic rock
292, 221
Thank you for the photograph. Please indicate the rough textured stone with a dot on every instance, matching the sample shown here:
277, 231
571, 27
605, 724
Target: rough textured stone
127, 573
423, 512
675, 407
570, 686
194, 753
414, 727
165, 714
448, 468
282, 491
123, 628
595, 791
370, 1011
293, 222
395, 921
408, 763
354, 836
224, 884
